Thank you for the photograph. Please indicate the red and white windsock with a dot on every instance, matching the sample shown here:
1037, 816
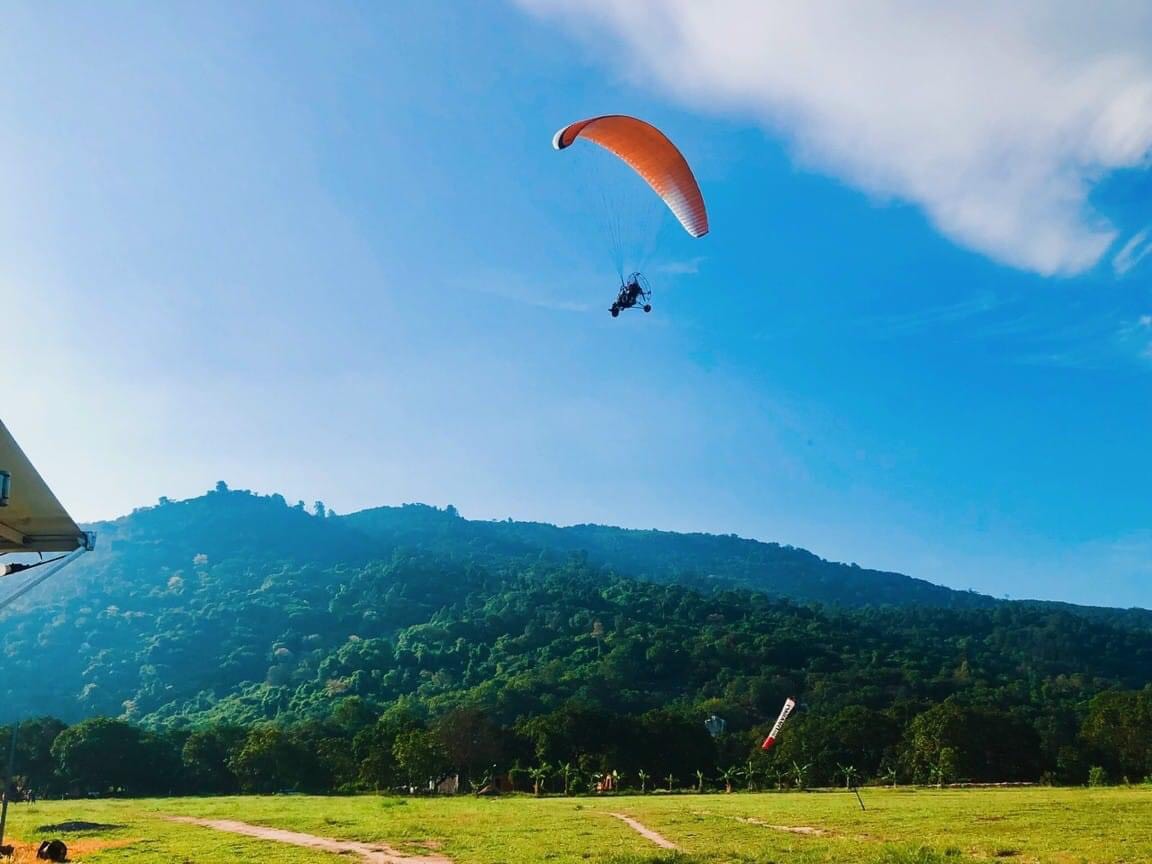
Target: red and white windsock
789, 704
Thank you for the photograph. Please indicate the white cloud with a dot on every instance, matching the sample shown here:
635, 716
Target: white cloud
996, 119
1132, 253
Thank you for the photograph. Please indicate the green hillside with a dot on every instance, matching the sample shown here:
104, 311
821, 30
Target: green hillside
234, 609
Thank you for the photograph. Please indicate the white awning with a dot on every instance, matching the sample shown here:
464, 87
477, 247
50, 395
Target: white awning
32, 520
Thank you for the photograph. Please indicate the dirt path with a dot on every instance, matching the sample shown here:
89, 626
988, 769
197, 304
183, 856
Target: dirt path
373, 853
791, 829
646, 833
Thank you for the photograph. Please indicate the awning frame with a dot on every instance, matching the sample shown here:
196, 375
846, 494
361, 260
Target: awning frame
32, 520
31, 516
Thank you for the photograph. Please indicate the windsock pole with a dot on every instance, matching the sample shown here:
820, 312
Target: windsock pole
858, 798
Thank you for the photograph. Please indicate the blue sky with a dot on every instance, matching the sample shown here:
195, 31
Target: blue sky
326, 249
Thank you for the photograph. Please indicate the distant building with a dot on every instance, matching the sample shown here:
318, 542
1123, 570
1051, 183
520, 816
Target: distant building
447, 785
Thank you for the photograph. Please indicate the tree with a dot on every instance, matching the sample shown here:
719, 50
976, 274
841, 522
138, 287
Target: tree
574, 730
861, 736
333, 759
672, 743
643, 776
419, 758
944, 770
372, 748
206, 756
35, 764
373, 751
986, 744
940, 726
470, 740
352, 714
102, 755
270, 760
598, 635
1117, 729
319, 510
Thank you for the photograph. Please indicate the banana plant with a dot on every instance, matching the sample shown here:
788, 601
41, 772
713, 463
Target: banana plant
728, 775
539, 775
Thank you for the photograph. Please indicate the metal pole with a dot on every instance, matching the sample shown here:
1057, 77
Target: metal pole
49, 570
8, 780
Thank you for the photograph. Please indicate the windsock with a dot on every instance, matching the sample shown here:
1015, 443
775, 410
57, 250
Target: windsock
789, 704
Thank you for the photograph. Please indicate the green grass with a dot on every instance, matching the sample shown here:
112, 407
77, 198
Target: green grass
902, 826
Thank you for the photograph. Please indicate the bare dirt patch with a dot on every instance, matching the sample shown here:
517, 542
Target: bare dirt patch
373, 853
791, 829
805, 830
645, 832
69, 827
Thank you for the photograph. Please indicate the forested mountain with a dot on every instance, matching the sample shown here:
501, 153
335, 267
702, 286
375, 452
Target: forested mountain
704, 561
232, 609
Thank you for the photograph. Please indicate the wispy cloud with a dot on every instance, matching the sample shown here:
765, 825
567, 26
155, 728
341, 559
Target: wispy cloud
996, 119
689, 267
889, 326
1140, 335
1132, 253
517, 289
1026, 331
1103, 342
539, 301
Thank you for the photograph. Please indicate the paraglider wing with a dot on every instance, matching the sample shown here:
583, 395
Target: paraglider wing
789, 704
650, 154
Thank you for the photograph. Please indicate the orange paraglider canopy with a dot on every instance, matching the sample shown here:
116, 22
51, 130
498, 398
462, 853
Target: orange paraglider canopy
650, 154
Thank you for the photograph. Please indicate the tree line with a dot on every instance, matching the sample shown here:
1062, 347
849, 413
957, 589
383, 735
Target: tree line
577, 749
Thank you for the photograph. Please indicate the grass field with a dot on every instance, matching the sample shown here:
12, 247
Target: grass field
1108, 826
